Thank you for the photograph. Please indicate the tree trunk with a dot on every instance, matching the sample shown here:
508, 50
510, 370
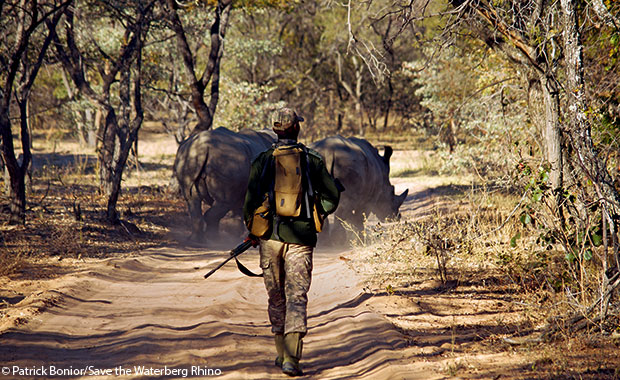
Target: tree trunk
354, 92
17, 172
126, 128
536, 105
605, 15
580, 133
360, 116
17, 189
587, 156
17, 198
93, 132
18, 62
107, 155
552, 132
388, 108
5, 174
218, 33
26, 140
113, 192
81, 129
89, 136
118, 142
115, 136
359, 107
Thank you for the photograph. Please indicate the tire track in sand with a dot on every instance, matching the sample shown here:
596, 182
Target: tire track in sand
157, 311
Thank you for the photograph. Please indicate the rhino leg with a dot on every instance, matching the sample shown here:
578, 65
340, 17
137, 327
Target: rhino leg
213, 216
350, 219
194, 205
356, 218
239, 225
346, 227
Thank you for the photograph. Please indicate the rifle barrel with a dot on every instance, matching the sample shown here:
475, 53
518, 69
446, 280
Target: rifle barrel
218, 267
233, 253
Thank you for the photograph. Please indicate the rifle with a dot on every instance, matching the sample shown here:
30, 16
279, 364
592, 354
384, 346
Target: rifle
247, 243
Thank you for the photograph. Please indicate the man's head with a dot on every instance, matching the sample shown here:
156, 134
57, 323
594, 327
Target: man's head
286, 123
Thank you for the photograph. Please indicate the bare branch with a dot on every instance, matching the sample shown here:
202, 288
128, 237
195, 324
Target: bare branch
42, 53
218, 32
213, 73
605, 15
182, 44
72, 61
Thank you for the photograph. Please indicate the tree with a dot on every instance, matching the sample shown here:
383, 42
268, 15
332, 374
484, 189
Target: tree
106, 67
211, 74
525, 32
531, 28
587, 157
23, 51
522, 30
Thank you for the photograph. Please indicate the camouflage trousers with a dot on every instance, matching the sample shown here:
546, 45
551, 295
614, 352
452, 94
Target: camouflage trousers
287, 271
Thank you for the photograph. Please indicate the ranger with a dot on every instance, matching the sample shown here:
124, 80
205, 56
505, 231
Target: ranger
290, 192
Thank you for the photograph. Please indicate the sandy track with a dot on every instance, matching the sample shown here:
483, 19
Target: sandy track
156, 311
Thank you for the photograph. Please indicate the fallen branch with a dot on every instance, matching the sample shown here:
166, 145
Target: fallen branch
576, 322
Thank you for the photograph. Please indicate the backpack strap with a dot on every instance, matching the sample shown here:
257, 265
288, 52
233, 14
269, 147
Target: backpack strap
271, 193
310, 191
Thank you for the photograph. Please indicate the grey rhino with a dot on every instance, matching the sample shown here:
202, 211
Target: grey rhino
213, 166
365, 177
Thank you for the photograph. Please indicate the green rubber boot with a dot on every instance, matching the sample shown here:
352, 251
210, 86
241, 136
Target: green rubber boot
292, 353
279, 338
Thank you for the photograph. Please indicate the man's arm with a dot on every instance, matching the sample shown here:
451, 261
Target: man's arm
325, 185
253, 198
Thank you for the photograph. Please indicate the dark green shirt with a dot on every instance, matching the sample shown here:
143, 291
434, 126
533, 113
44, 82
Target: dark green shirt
297, 230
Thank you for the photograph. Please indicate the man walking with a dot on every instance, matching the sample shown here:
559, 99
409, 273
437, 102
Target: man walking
289, 193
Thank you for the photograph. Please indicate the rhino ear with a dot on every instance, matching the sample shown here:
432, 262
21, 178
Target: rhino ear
387, 154
401, 198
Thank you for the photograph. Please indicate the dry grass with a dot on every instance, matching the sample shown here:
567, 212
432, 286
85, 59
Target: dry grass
460, 225
466, 232
414, 163
65, 212
55, 230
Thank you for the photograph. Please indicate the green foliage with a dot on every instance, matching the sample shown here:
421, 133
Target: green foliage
565, 241
287, 5
602, 62
245, 105
249, 5
477, 107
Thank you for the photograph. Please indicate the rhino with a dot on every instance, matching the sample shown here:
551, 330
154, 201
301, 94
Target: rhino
213, 167
365, 176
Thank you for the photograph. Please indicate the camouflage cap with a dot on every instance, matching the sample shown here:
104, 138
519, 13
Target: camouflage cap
284, 118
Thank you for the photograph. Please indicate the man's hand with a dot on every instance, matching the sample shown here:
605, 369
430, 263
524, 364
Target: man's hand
252, 239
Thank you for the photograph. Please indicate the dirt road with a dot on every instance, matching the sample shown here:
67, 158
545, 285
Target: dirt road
157, 312
154, 316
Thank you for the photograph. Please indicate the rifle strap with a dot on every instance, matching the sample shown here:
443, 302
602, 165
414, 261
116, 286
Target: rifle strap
243, 269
